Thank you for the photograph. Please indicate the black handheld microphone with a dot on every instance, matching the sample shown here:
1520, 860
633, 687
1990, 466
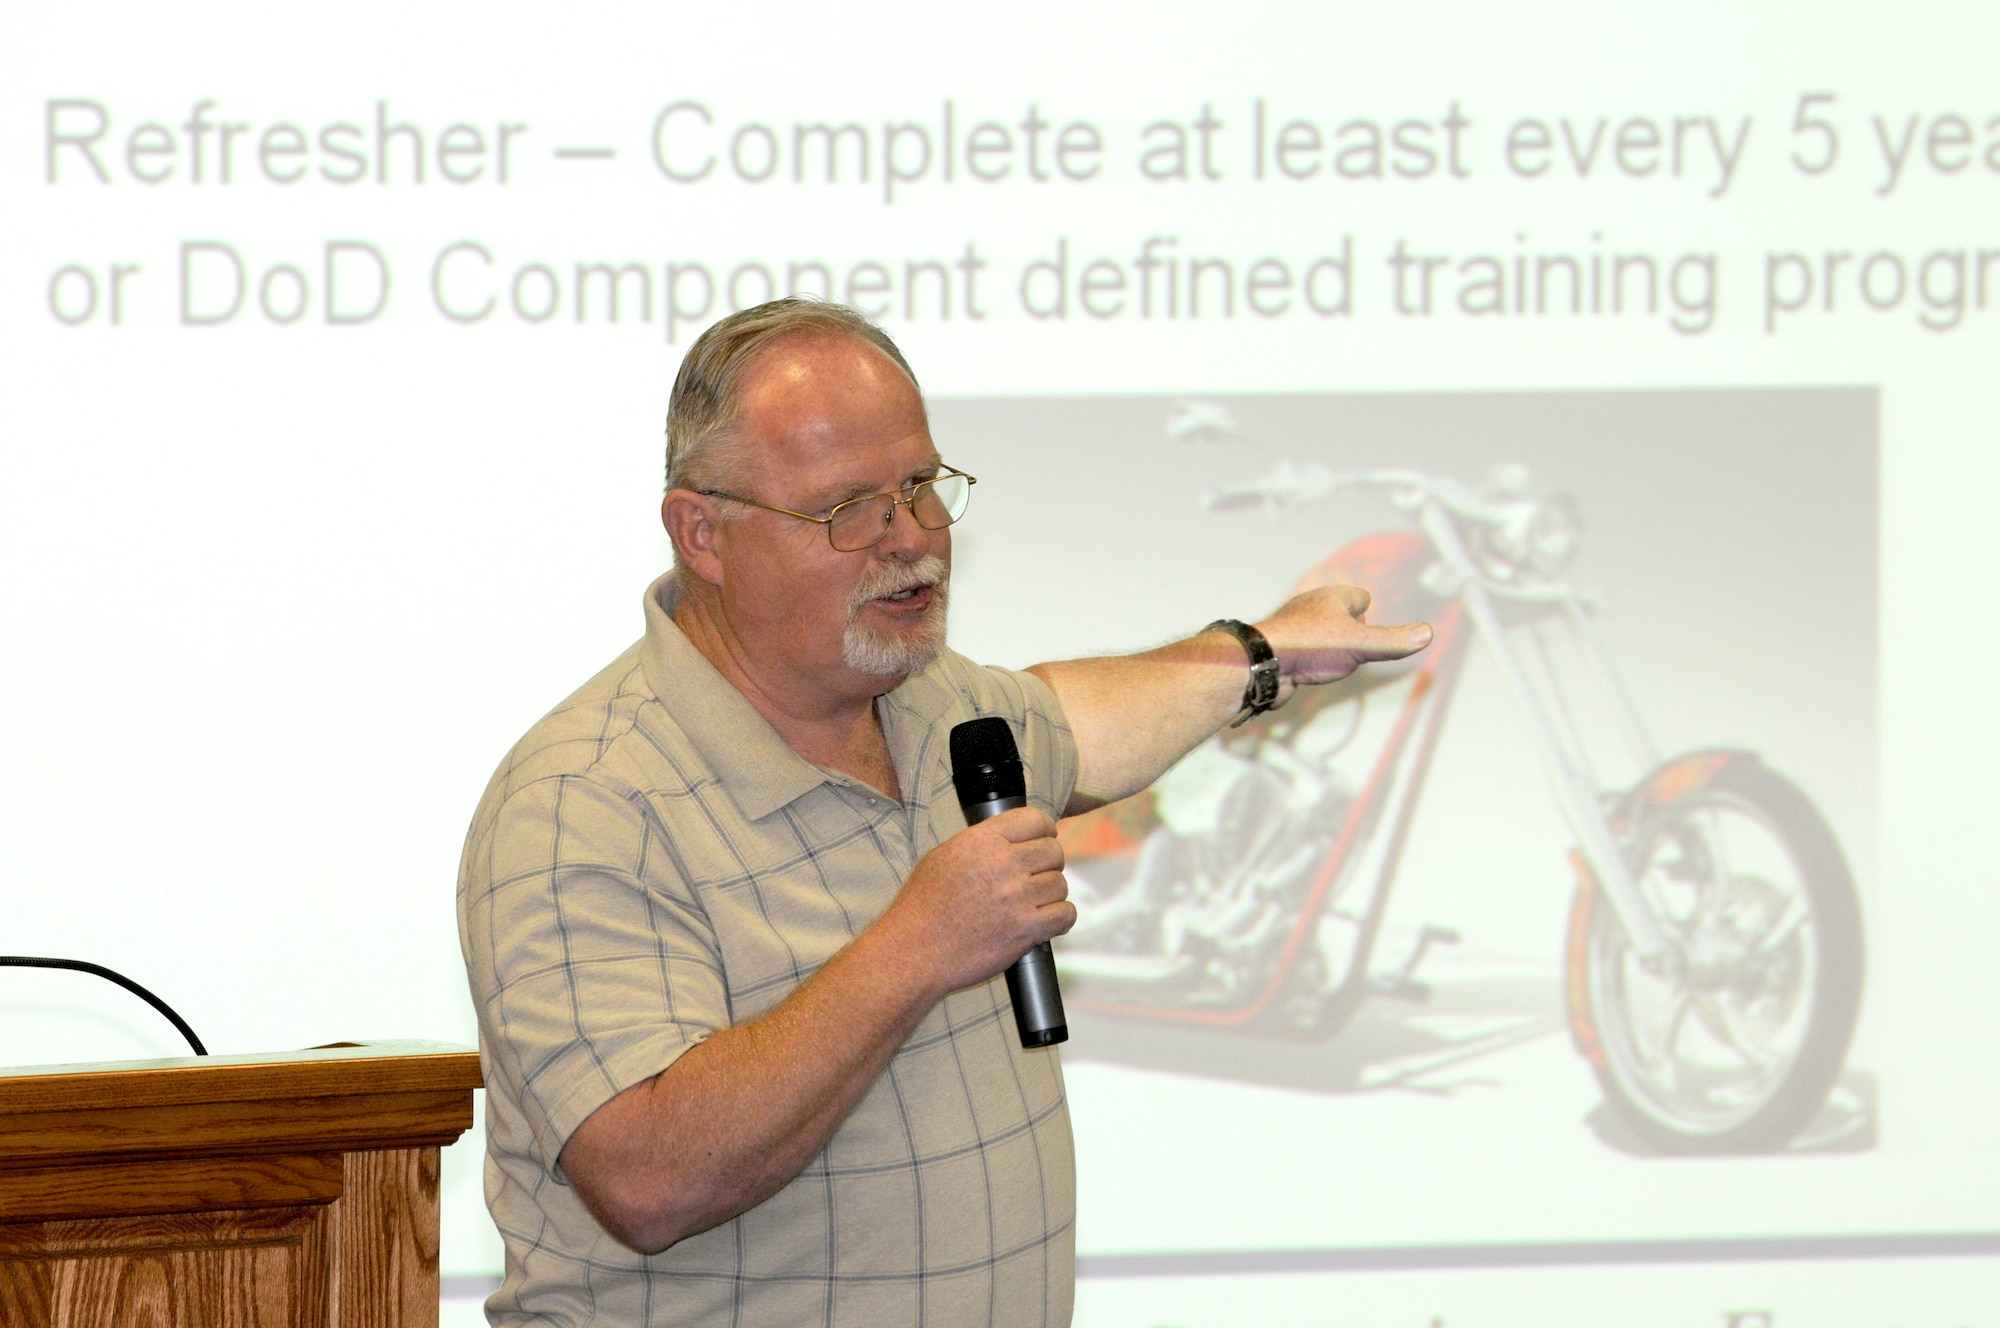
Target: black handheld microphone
986, 768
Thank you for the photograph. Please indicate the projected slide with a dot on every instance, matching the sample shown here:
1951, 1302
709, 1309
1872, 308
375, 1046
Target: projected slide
1248, 890
1624, 958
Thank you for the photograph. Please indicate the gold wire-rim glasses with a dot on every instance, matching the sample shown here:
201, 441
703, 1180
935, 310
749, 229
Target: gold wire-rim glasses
913, 494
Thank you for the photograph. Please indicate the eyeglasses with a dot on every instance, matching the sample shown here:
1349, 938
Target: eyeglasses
860, 523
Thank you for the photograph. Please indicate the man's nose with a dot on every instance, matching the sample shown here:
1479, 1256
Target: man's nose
905, 538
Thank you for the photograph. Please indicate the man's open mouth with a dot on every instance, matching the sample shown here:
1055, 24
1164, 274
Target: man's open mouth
895, 586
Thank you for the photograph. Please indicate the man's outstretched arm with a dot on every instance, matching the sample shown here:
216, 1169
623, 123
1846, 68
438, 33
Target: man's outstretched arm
1135, 715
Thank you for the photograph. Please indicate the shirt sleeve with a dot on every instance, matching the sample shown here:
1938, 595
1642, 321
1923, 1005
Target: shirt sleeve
1048, 747
592, 966
1041, 729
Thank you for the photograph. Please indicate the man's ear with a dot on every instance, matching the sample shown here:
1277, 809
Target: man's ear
692, 523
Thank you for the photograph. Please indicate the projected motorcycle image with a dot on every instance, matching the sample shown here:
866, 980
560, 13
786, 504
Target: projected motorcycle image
1644, 731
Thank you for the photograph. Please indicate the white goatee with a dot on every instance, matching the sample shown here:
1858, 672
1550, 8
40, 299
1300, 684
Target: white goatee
866, 650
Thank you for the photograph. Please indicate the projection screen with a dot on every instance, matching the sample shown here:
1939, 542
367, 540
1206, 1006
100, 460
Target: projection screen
1647, 351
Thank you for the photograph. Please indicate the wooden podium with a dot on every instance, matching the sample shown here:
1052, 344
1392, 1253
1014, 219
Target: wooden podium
286, 1190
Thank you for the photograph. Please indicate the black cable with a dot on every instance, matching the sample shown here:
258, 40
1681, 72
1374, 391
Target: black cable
81, 966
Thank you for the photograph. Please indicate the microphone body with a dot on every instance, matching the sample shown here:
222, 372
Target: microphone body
986, 770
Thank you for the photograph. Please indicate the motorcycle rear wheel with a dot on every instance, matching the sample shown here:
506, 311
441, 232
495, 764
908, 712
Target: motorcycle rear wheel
1732, 1043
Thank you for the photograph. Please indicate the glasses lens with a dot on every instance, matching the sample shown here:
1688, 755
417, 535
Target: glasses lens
939, 502
860, 524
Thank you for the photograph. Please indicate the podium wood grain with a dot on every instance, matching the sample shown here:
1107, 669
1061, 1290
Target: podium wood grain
296, 1190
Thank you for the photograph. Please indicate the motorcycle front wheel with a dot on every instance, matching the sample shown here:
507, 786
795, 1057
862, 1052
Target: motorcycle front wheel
1732, 1042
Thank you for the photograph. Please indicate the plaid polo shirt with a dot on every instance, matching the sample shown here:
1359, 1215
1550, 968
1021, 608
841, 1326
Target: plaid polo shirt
651, 863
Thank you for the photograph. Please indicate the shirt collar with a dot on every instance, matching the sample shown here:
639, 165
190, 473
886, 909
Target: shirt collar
759, 769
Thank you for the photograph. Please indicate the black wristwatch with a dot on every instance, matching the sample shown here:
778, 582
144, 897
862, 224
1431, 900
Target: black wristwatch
1261, 692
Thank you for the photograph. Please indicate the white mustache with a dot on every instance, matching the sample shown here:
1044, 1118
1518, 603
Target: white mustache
929, 572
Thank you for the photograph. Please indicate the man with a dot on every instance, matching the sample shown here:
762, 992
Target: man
736, 959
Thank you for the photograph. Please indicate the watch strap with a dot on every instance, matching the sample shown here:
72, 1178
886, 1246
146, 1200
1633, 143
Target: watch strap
1261, 692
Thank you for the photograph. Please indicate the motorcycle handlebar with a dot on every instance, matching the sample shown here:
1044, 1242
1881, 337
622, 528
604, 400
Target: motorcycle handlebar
1292, 485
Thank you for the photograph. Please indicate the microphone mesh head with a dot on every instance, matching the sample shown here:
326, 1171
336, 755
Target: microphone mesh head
985, 763
985, 741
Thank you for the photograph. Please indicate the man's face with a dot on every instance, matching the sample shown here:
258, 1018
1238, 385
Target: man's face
826, 419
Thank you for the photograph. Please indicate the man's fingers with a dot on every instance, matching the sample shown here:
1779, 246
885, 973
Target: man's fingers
1033, 835
1360, 645
1061, 913
1396, 642
1040, 855
1023, 824
1366, 643
1047, 887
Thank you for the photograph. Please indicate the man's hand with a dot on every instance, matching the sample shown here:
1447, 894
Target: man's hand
734, 1119
1135, 715
983, 898
1320, 636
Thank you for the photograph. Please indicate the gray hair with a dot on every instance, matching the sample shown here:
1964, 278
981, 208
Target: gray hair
702, 412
